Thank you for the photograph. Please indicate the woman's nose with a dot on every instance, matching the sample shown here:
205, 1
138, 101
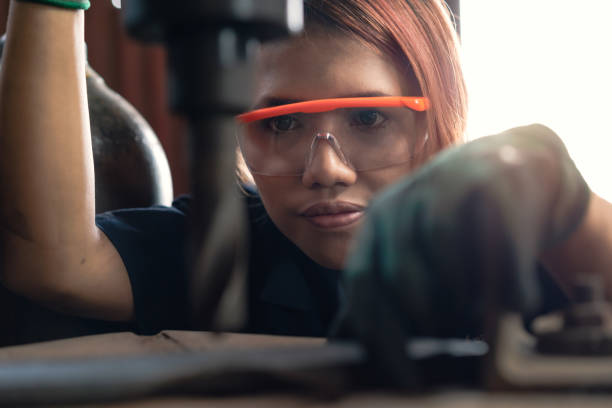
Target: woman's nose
327, 166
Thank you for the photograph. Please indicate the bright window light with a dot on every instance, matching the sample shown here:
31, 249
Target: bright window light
545, 61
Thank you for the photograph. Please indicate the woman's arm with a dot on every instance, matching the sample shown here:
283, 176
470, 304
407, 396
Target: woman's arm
51, 250
587, 251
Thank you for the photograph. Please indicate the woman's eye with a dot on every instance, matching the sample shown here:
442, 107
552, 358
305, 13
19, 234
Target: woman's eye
368, 118
282, 123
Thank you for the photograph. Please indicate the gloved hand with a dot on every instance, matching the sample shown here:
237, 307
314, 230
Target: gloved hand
69, 4
460, 235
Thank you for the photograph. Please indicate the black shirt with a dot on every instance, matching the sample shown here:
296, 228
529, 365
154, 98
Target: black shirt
289, 294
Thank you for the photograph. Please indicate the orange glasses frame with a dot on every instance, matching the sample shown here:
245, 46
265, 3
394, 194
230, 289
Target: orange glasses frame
417, 103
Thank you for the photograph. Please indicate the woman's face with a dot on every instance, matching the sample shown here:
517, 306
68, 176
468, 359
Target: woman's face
322, 210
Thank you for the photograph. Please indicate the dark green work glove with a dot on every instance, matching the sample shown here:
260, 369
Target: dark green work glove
69, 4
457, 238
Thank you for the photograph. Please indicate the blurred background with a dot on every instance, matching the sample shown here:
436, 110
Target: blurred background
138, 73
546, 61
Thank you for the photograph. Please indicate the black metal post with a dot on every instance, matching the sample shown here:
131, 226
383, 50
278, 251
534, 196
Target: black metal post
209, 47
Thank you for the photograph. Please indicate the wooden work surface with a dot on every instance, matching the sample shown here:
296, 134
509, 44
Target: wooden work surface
128, 344
118, 344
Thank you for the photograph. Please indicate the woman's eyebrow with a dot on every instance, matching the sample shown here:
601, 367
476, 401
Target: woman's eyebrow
270, 101
273, 101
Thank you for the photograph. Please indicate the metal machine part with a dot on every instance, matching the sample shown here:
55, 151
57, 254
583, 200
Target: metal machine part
131, 168
209, 46
514, 363
586, 325
570, 349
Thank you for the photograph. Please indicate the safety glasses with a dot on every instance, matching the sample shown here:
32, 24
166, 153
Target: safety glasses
365, 133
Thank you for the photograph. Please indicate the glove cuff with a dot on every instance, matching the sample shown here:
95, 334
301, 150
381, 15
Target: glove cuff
570, 205
67, 4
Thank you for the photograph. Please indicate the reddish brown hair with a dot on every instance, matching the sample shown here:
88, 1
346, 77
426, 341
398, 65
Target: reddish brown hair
419, 35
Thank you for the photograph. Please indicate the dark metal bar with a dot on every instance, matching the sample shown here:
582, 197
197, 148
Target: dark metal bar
209, 45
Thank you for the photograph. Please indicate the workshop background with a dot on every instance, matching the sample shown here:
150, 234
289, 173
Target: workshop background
138, 73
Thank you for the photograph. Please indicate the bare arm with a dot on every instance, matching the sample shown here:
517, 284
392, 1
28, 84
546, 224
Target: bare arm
588, 250
52, 251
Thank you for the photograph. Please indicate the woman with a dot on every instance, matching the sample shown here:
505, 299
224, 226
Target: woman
128, 265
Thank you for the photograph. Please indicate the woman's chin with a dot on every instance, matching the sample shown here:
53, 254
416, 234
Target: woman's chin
327, 258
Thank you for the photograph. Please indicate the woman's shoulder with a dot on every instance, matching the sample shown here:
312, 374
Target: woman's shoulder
183, 204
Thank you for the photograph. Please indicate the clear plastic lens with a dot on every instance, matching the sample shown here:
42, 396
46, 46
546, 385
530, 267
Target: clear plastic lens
368, 138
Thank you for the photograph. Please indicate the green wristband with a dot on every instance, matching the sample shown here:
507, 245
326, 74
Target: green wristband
69, 4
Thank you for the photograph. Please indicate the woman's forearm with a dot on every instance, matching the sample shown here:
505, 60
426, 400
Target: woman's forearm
588, 251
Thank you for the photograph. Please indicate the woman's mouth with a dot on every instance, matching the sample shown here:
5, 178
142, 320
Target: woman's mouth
334, 214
